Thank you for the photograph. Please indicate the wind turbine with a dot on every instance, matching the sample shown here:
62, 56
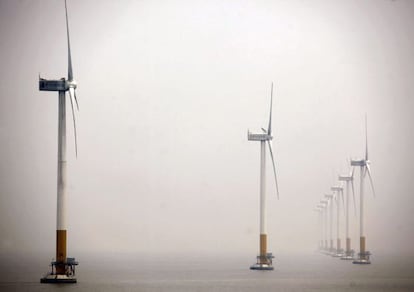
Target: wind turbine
63, 268
349, 180
339, 193
364, 170
264, 259
329, 197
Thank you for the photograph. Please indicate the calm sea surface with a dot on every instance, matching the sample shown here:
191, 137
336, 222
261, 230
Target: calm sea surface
312, 272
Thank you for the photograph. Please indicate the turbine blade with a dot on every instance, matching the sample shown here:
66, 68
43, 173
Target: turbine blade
274, 168
71, 94
366, 138
269, 128
264, 130
370, 179
76, 100
70, 73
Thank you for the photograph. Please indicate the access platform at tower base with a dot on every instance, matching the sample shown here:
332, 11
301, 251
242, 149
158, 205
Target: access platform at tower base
58, 279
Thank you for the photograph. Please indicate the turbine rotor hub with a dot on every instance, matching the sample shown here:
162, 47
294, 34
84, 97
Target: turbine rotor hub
72, 84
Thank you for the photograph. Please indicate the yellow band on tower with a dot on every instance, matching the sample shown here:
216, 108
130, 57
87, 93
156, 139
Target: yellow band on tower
362, 244
263, 245
60, 251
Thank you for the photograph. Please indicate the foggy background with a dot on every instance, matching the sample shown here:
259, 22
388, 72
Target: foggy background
167, 91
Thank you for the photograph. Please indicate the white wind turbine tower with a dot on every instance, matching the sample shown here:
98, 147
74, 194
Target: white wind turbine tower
264, 260
349, 180
339, 193
364, 170
63, 268
319, 210
330, 197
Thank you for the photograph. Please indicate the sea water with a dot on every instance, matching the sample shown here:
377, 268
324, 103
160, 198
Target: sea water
130, 272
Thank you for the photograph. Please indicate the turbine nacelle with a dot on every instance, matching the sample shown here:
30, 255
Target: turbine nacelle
259, 136
337, 188
359, 162
52, 85
56, 85
345, 178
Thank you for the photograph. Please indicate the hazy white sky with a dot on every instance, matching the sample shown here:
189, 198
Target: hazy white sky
167, 91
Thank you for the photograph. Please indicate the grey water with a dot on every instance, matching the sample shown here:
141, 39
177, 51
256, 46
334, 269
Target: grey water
199, 272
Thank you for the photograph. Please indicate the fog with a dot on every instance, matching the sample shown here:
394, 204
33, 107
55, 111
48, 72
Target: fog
167, 91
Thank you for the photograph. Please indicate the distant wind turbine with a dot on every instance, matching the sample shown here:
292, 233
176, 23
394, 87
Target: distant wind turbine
364, 170
330, 197
324, 204
63, 268
349, 180
264, 260
339, 194
319, 210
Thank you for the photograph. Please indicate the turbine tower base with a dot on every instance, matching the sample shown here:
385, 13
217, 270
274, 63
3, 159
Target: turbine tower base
339, 253
67, 278
363, 259
58, 279
264, 263
349, 255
